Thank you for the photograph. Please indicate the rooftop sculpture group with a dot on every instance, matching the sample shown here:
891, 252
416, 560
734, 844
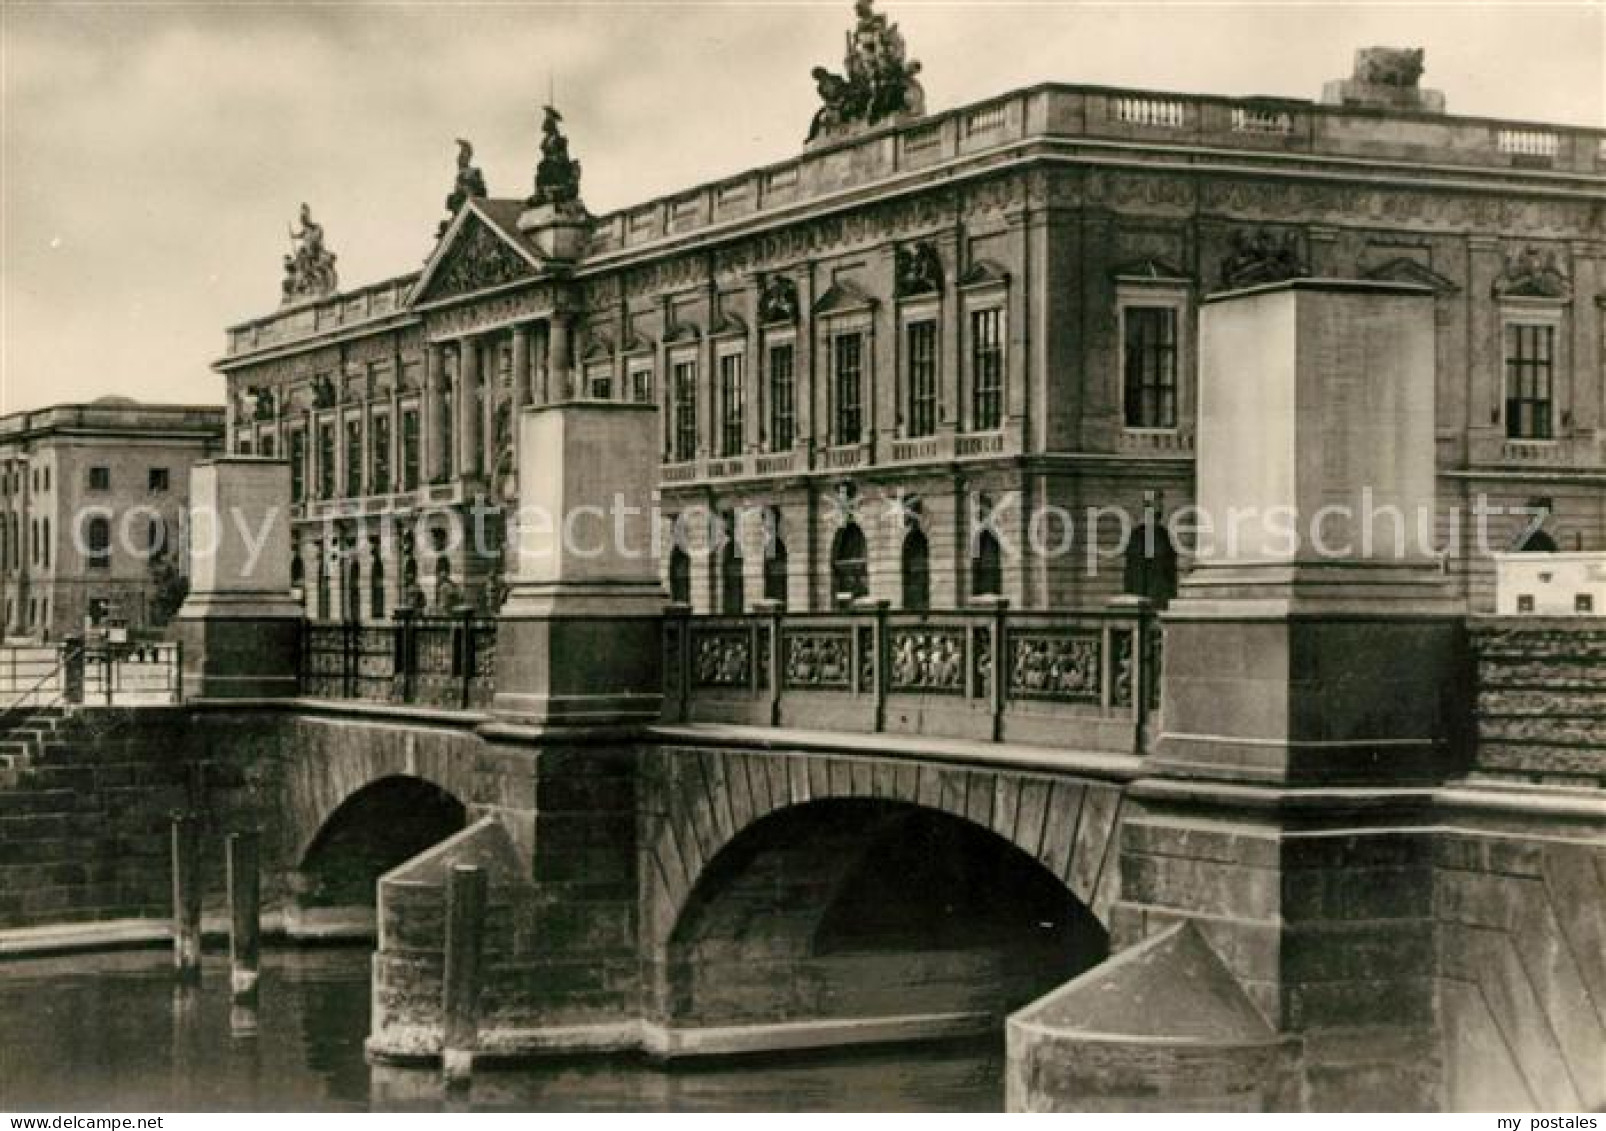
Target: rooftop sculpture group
470, 184
309, 269
878, 83
557, 176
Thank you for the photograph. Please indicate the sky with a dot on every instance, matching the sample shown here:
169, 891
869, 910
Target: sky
154, 154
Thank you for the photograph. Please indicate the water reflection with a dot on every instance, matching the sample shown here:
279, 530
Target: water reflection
114, 1032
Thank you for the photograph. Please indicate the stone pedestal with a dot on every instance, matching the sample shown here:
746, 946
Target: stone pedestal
240, 625
580, 634
1309, 659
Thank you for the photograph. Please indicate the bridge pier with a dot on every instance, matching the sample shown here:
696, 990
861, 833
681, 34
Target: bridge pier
1280, 851
578, 675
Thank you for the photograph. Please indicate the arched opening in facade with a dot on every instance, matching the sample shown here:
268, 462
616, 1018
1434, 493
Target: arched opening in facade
679, 576
387, 822
856, 907
775, 571
850, 565
732, 599
1150, 566
987, 567
916, 570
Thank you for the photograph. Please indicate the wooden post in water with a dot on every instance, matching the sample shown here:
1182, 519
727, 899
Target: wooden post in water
186, 894
460, 991
245, 921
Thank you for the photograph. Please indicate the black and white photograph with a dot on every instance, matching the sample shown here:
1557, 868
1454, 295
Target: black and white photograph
813, 557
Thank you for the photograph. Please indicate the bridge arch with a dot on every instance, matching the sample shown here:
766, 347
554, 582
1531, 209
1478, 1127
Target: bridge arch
799, 887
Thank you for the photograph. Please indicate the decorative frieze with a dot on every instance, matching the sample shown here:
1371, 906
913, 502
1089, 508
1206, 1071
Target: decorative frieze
721, 657
927, 660
820, 659
1063, 666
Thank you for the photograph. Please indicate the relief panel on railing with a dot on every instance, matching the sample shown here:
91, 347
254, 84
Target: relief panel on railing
821, 659
982, 683
927, 661
721, 657
866, 659
1063, 666
1121, 668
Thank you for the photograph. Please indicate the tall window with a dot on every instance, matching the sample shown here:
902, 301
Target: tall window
599, 381
1149, 359
847, 368
98, 542
850, 565
376, 580
732, 398
447, 455
326, 461
381, 453
679, 576
685, 389
353, 458
298, 465
783, 396
987, 569
987, 368
1530, 366
920, 343
775, 571
409, 440
916, 571
641, 382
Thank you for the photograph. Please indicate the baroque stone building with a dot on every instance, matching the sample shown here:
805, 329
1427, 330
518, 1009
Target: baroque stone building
897, 347
91, 501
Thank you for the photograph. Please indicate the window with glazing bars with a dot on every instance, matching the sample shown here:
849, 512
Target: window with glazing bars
920, 340
1530, 360
298, 465
409, 444
1150, 379
326, 461
353, 458
685, 390
847, 357
641, 384
783, 404
381, 454
987, 368
731, 404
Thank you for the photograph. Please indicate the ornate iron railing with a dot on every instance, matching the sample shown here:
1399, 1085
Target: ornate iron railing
430, 661
1086, 679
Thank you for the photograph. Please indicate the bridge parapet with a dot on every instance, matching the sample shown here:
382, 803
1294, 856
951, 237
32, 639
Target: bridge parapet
1084, 679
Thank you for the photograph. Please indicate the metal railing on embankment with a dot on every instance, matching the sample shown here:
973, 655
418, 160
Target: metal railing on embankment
88, 672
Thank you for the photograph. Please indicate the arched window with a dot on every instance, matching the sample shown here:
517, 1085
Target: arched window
916, 570
98, 542
775, 572
987, 569
850, 573
679, 576
351, 592
731, 598
376, 581
1150, 569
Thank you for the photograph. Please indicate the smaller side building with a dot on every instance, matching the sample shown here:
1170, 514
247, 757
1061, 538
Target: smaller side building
92, 497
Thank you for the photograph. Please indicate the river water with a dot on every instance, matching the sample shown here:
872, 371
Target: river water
112, 1032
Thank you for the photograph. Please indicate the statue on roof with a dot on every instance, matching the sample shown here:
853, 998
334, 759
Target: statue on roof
557, 177
878, 83
309, 269
470, 184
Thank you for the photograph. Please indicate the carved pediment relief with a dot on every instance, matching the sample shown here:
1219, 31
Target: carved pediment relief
474, 258
918, 269
637, 342
844, 295
1530, 273
1262, 255
1403, 270
778, 302
599, 347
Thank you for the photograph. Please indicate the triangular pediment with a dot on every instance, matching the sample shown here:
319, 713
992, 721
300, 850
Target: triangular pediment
475, 254
1403, 270
1150, 270
842, 296
984, 273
